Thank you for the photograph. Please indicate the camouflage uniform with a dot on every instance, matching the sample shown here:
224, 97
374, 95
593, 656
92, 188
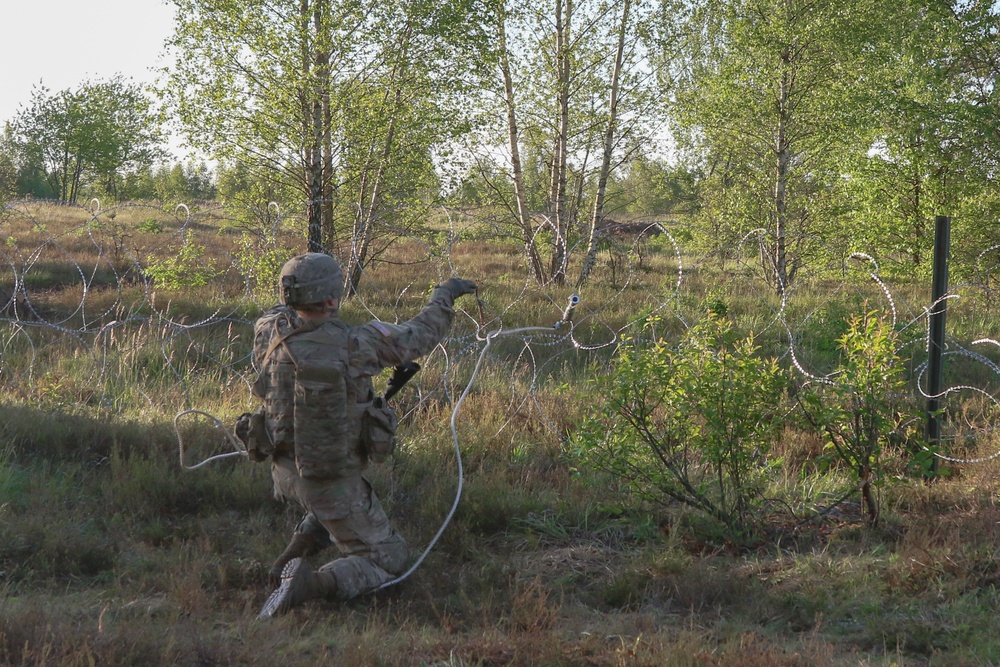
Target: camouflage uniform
340, 503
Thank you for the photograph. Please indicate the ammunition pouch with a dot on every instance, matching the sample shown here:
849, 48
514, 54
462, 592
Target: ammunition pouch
250, 429
378, 430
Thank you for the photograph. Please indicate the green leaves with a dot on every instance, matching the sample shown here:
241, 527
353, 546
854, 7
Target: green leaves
692, 424
99, 133
345, 104
186, 268
863, 405
851, 123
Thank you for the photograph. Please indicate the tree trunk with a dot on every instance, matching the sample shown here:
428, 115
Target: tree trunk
597, 220
520, 195
64, 185
368, 205
560, 227
917, 182
74, 190
313, 151
323, 67
868, 496
782, 166
365, 227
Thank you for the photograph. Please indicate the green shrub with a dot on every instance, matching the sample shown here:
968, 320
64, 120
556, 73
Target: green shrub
260, 259
150, 226
864, 406
693, 424
183, 269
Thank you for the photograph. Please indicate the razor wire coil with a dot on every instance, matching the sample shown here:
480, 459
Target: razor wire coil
118, 306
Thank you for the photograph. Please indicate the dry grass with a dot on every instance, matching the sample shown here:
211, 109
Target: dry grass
112, 554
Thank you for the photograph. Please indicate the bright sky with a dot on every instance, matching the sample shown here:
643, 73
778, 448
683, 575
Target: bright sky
63, 43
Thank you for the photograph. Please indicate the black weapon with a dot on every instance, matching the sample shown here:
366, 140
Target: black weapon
400, 376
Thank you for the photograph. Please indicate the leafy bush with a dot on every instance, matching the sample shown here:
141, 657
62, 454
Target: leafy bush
260, 259
183, 269
864, 407
693, 424
150, 226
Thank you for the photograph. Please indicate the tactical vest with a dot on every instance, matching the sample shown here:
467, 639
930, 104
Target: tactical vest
311, 401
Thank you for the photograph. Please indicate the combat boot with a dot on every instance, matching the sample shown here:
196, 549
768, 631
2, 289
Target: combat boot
299, 583
301, 545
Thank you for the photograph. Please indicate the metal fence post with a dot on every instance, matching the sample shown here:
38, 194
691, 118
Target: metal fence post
935, 342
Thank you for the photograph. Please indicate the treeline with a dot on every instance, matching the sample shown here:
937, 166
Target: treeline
802, 124
175, 182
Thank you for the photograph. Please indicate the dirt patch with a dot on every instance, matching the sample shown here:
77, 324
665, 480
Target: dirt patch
580, 560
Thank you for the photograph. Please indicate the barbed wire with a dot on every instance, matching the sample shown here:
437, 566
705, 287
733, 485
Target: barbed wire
114, 307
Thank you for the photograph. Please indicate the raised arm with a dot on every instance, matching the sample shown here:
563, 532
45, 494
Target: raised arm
395, 344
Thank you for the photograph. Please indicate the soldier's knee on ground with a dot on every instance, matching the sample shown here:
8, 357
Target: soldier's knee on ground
391, 555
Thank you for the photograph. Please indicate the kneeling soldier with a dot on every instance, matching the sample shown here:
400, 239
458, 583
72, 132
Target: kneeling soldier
322, 424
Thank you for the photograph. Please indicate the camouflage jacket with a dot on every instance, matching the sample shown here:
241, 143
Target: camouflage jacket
328, 441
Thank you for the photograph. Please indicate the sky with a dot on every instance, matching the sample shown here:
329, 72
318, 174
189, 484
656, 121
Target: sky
62, 43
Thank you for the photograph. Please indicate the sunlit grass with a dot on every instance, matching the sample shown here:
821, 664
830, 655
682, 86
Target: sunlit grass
112, 553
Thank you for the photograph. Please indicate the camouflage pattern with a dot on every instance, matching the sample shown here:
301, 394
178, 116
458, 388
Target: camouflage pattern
318, 459
331, 448
311, 278
372, 552
275, 385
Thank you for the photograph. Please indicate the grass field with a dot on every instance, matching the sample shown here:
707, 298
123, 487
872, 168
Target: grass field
112, 553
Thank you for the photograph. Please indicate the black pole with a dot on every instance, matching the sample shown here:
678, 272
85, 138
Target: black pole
935, 342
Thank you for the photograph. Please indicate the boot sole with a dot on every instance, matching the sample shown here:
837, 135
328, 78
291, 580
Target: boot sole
280, 600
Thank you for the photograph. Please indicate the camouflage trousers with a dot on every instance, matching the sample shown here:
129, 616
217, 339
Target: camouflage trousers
372, 552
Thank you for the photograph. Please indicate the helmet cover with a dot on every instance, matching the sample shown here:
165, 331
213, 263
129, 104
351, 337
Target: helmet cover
309, 279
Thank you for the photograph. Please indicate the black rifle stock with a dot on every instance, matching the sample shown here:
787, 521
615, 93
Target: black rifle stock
400, 376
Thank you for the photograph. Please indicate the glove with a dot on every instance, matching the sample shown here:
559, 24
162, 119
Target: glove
459, 286
242, 428
249, 429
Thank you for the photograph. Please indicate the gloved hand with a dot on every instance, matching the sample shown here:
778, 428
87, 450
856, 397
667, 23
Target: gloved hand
459, 286
242, 428
243, 431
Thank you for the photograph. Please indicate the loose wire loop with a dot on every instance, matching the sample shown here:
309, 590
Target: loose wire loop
490, 337
240, 450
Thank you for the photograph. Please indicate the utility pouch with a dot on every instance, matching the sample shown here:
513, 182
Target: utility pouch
252, 433
259, 445
378, 430
321, 442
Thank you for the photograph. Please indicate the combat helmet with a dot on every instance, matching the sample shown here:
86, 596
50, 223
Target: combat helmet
309, 279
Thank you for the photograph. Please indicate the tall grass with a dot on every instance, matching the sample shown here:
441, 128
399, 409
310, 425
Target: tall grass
112, 553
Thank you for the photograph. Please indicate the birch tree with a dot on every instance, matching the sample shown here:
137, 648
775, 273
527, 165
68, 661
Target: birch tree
607, 154
330, 95
768, 95
569, 78
520, 209
935, 148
